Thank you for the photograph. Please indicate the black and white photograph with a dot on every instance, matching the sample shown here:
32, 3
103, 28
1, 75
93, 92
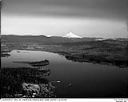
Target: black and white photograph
64, 49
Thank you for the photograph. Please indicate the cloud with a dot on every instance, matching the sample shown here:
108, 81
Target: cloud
81, 17
116, 9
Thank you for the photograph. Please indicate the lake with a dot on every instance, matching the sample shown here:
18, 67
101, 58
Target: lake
76, 79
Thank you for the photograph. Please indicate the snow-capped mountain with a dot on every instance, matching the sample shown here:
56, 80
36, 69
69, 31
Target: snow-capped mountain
49, 35
71, 35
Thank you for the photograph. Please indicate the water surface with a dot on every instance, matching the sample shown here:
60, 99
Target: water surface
77, 79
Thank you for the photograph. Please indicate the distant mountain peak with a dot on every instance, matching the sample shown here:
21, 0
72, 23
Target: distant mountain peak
71, 35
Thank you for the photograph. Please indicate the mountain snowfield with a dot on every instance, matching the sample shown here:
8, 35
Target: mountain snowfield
71, 35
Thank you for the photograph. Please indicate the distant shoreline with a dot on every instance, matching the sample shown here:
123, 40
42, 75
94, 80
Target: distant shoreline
80, 50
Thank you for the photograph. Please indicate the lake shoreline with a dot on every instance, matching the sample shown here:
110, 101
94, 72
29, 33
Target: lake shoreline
95, 59
90, 58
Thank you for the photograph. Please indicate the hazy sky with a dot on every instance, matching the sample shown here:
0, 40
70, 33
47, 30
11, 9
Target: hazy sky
89, 18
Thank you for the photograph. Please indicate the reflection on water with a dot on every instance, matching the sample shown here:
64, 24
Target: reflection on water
76, 79
35, 64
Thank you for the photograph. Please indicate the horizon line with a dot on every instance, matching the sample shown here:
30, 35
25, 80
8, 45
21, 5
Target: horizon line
61, 36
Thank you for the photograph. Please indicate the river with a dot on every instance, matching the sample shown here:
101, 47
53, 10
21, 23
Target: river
76, 79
